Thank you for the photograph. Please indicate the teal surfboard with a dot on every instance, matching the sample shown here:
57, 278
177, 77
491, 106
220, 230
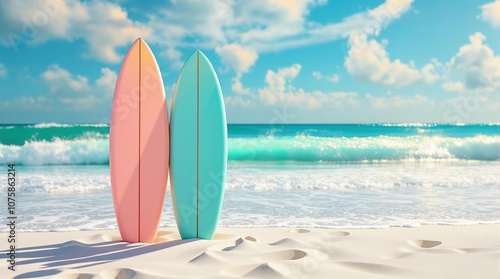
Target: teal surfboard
198, 149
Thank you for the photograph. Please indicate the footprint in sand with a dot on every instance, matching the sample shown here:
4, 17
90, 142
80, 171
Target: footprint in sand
424, 243
249, 238
300, 231
338, 234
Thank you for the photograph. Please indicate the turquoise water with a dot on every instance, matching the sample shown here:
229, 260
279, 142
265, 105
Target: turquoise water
56, 144
342, 176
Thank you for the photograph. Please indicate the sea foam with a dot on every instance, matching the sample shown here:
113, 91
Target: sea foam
93, 149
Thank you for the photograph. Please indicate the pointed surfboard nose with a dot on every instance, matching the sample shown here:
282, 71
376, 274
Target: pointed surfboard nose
195, 53
138, 41
200, 53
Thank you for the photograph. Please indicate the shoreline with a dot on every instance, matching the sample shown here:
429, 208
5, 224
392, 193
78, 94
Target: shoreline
222, 227
428, 251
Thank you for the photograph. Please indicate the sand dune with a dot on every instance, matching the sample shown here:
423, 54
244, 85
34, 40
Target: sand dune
425, 252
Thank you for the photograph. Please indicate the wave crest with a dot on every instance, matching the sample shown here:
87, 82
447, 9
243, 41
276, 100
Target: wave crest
369, 149
58, 125
81, 151
92, 148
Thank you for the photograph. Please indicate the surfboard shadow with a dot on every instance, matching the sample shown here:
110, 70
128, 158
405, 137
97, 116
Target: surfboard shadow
54, 257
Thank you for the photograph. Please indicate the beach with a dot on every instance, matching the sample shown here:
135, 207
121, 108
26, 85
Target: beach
301, 201
431, 251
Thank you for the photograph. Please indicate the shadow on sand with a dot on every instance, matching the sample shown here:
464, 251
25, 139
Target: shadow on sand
53, 257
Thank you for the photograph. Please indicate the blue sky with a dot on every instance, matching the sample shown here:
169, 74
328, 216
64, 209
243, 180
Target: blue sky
279, 61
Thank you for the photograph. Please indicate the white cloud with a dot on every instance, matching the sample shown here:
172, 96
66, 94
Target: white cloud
333, 78
370, 22
216, 23
239, 59
399, 101
319, 76
62, 82
26, 103
104, 26
237, 86
476, 65
241, 30
470, 108
169, 90
3, 70
275, 19
279, 91
237, 101
491, 13
35, 22
76, 91
276, 83
107, 28
368, 60
175, 57
106, 83
263, 25
453, 86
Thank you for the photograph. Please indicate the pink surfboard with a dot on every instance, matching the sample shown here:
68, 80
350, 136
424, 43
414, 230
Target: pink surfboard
139, 145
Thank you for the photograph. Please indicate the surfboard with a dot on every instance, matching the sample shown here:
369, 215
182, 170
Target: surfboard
139, 145
198, 149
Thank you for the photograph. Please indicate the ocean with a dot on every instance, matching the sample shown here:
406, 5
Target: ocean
307, 175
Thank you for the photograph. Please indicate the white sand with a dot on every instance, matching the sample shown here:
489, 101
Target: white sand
424, 252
